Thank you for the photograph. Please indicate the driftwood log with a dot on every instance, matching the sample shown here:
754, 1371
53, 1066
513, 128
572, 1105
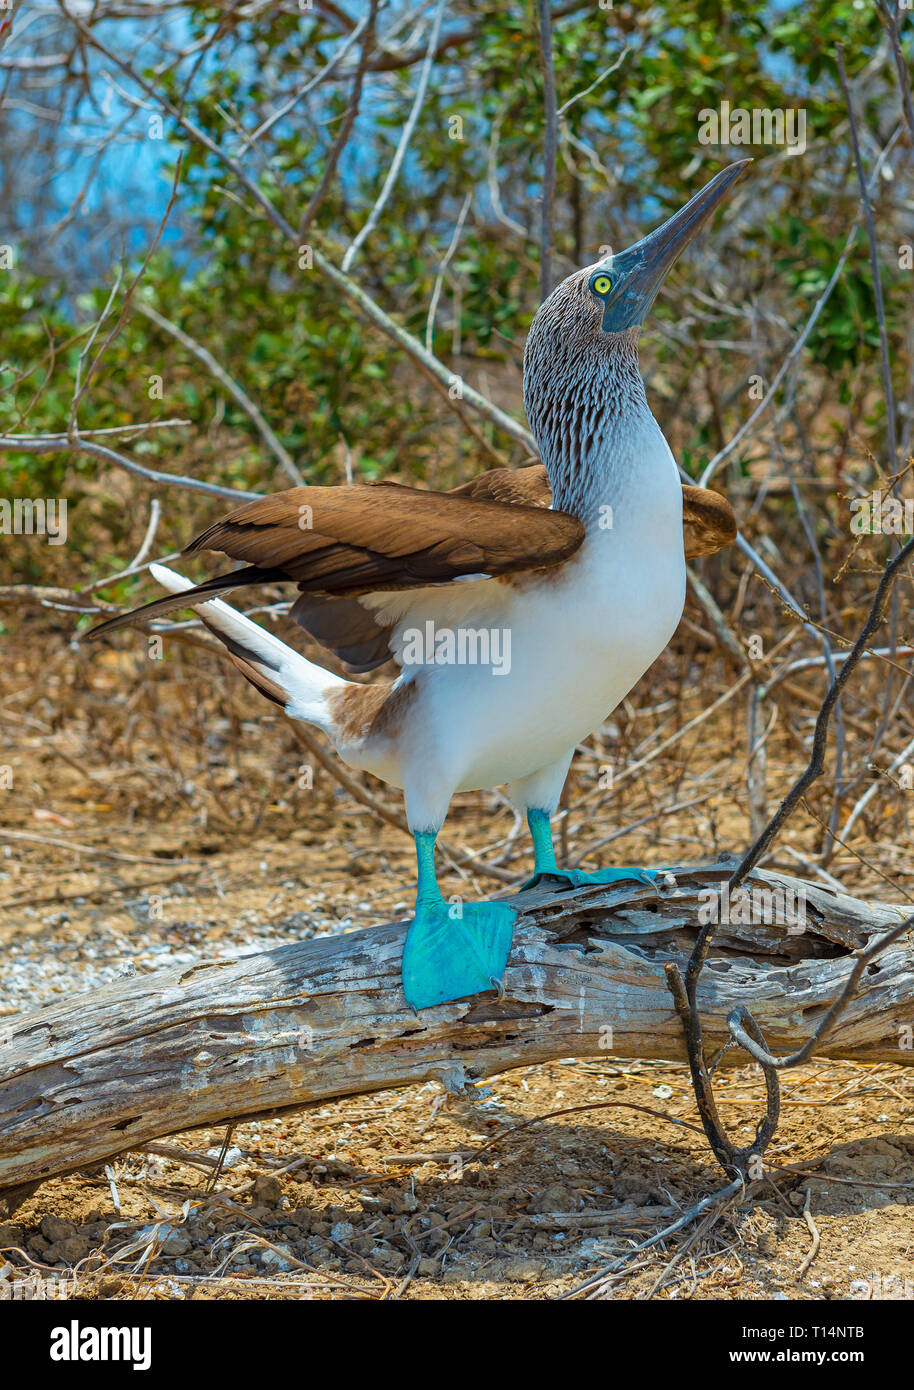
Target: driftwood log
130, 1062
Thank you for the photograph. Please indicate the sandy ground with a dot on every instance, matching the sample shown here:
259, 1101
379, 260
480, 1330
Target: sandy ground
165, 822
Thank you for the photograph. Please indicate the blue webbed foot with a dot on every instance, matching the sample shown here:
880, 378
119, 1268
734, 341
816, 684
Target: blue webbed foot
545, 867
452, 951
577, 878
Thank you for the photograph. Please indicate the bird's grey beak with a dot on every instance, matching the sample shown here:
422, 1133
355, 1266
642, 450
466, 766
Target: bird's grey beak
645, 264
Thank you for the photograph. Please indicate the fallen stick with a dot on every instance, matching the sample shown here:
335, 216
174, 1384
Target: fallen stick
155, 1055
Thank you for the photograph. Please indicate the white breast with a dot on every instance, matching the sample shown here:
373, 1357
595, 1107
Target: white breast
579, 638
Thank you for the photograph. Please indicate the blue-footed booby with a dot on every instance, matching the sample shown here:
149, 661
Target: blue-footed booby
522, 607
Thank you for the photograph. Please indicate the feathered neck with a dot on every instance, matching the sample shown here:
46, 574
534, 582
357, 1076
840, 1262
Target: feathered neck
586, 403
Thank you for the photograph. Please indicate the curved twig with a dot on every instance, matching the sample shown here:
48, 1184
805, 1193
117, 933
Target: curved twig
742, 1026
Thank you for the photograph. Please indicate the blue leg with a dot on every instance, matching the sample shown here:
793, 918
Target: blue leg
452, 949
544, 865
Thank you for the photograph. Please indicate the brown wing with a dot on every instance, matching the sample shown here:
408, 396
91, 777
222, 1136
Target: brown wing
339, 542
708, 522
520, 486
351, 631
359, 539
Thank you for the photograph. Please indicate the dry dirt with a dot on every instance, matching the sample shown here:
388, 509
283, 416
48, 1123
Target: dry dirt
166, 820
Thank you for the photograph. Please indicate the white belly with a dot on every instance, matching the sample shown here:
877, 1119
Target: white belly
568, 650
580, 638
577, 649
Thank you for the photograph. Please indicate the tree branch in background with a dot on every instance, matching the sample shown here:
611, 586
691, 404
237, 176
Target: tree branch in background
345, 130
429, 364
63, 444
800, 342
235, 391
82, 382
550, 146
743, 1025
322, 75
866, 203
393, 172
442, 269
890, 15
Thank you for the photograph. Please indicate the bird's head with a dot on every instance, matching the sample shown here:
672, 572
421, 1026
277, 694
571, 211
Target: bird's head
589, 324
623, 287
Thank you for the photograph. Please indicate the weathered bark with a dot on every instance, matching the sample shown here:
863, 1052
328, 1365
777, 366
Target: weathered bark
130, 1062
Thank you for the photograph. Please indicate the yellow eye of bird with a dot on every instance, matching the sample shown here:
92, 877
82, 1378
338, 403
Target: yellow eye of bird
602, 284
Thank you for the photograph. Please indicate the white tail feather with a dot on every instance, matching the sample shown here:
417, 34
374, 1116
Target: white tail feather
305, 685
